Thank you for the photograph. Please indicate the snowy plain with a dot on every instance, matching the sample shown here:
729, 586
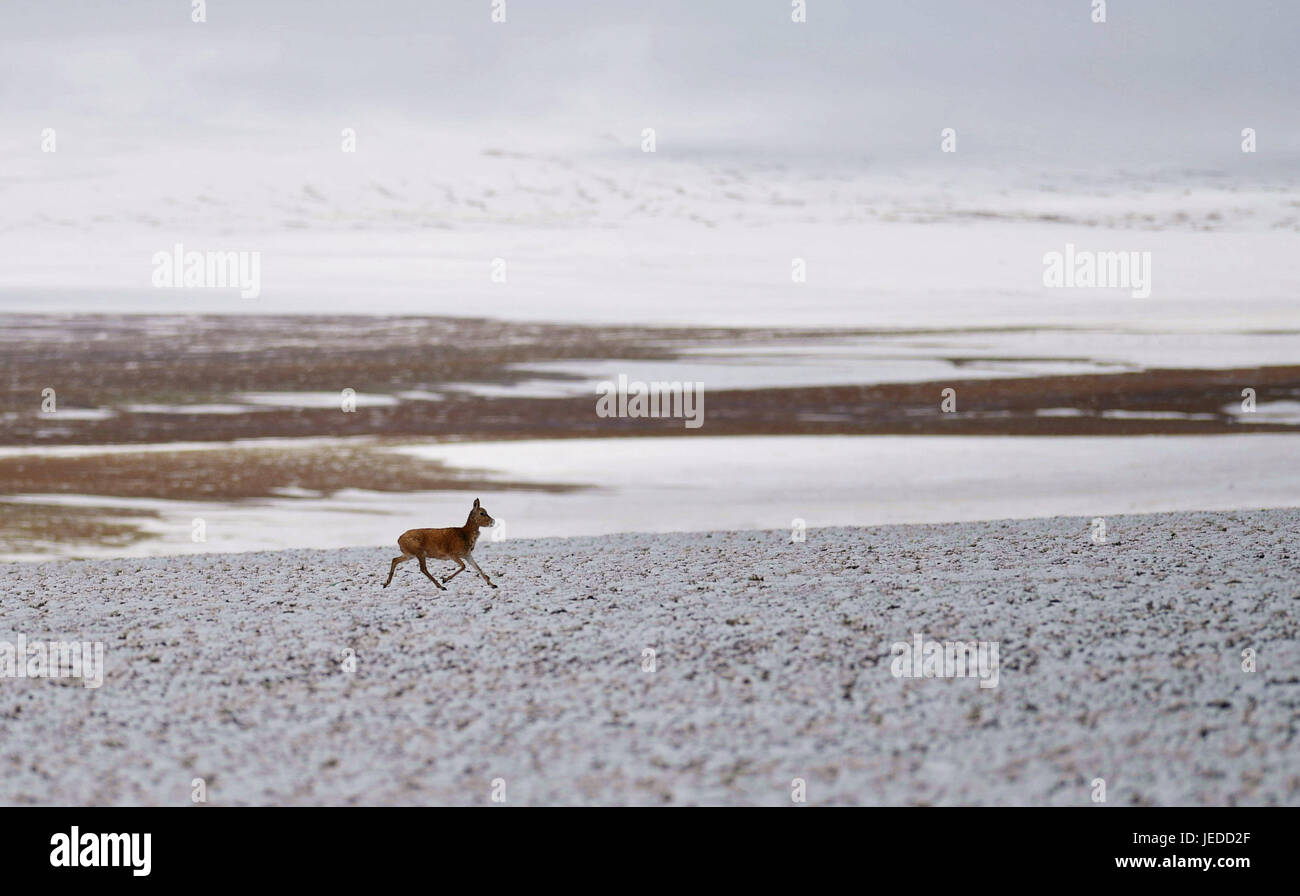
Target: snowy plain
772, 660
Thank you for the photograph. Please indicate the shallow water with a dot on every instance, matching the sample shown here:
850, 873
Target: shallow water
704, 483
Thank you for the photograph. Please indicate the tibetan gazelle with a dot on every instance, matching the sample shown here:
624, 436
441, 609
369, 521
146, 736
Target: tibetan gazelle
454, 543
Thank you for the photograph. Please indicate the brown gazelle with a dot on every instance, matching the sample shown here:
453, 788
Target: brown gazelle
453, 543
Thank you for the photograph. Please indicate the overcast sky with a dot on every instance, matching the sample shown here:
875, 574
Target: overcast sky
1018, 79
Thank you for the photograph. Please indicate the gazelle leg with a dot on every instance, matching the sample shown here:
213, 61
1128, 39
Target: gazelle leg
424, 569
393, 568
457, 572
470, 558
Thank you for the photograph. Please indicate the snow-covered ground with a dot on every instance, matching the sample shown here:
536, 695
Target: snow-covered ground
771, 661
603, 232
881, 275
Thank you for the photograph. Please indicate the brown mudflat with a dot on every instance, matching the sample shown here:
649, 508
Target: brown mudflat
243, 471
112, 364
103, 368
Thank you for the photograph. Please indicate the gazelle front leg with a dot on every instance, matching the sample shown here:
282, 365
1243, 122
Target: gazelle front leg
470, 558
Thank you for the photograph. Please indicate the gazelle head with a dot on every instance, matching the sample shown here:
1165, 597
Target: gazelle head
479, 517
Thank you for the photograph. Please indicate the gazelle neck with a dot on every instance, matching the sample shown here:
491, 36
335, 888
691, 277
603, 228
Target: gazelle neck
471, 528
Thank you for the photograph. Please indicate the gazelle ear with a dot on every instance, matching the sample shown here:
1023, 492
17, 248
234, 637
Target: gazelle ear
476, 503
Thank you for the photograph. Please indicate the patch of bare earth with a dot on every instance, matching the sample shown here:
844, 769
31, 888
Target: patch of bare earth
32, 528
234, 472
116, 363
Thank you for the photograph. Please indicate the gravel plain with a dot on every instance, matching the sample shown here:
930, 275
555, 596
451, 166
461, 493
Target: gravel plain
292, 678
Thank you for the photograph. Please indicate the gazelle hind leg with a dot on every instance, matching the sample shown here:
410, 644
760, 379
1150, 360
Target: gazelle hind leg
470, 558
457, 572
424, 569
393, 568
